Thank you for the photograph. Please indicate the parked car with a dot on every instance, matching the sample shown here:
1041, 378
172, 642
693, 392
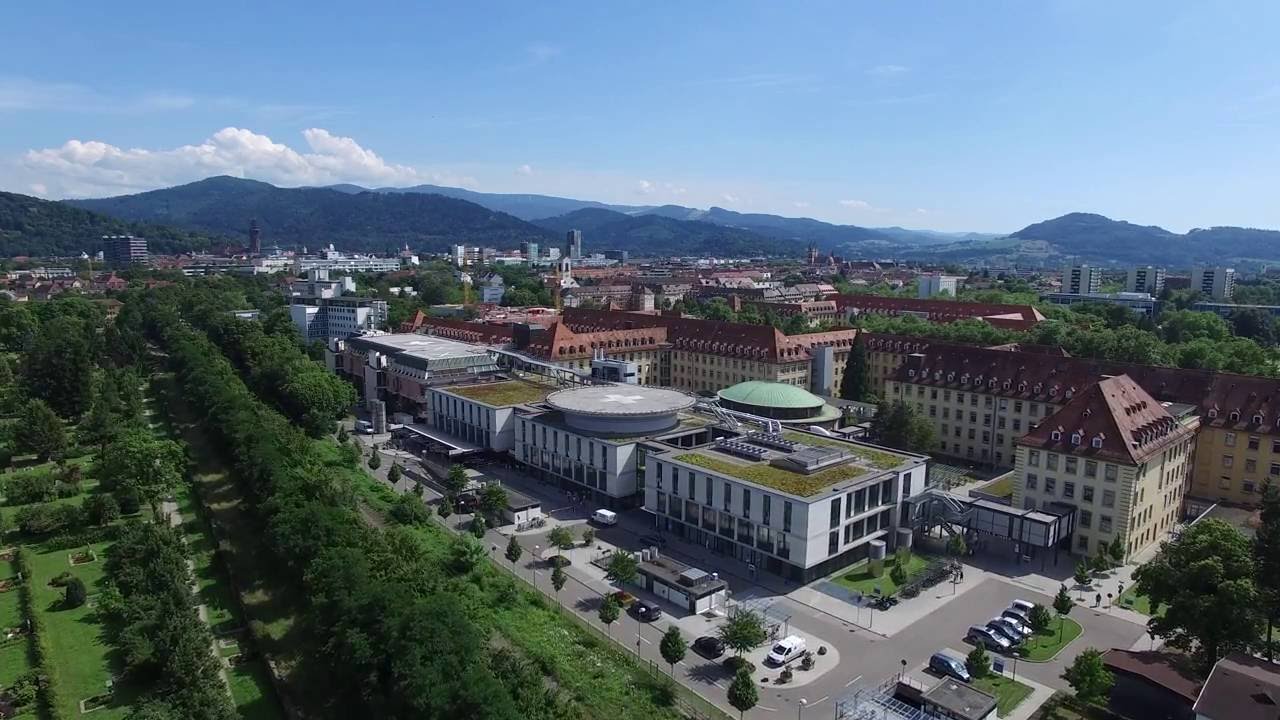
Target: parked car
709, 647
988, 638
785, 650
947, 666
1004, 627
1019, 619
646, 611
652, 540
604, 517
1022, 606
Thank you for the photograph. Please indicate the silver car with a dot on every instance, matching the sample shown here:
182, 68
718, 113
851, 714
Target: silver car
1005, 627
1019, 621
992, 640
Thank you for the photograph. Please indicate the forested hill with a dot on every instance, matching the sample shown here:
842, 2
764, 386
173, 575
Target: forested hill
658, 235
1100, 238
313, 217
31, 226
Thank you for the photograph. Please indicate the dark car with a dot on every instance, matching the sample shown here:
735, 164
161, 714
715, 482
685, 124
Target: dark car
651, 540
709, 647
646, 611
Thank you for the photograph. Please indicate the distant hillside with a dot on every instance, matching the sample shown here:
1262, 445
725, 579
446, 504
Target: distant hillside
31, 226
523, 206
1101, 238
314, 217
647, 235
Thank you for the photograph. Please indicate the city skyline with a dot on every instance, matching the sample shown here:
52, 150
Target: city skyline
983, 119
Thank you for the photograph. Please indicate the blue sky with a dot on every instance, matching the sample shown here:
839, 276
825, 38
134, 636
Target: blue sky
955, 116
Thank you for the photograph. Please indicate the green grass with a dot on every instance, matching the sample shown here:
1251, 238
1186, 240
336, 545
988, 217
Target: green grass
1043, 647
777, 478
251, 688
1000, 487
1131, 599
15, 657
504, 394
878, 459
859, 578
80, 657
1009, 693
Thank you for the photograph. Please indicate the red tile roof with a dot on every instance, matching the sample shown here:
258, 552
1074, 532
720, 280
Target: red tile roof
1166, 669
1113, 419
1013, 317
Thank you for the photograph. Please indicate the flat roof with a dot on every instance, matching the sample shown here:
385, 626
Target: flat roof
502, 394
670, 571
619, 401
426, 346
1241, 688
517, 501
960, 699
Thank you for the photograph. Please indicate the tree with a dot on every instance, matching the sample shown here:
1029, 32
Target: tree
514, 551
456, 481
956, 546
1089, 677
1102, 561
493, 500
898, 574
673, 647
40, 430
1204, 582
1081, 575
904, 428
410, 510
1266, 560
466, 554
445, 508
742, 692
978, 663
343, 435
375, 460
75, 593
1117, 550
609, 612
561, 538
1062, 604
101, 509
478, 527
588, 537
855, 384
558, 579
1181, 326
622, 567
58, 363
1039, 618
393, 474
140, 461
743, 631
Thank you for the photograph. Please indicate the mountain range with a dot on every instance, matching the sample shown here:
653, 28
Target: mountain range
217, 210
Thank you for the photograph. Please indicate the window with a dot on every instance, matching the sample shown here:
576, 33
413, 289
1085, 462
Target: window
1091, 468
1086, 493
1109, 472
1017, 406
728, 496
986, 420
1050, 486
1068, 489
675, 481
1034, 410
1086, 518
1104, 523
1247, 486
833, 542
1224, 482
1275, 446
1051, 461
1227, 461
835, 513
1082, 544
765, 509
1073, 465
1108, 498
972, 433
1253, 442
786, 516
1033, 458
1229, 439
1250, 465
1017, 425
1032, 481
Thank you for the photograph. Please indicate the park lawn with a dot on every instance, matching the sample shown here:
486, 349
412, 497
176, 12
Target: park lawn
1131, 599
859, 579
251, 689
1043, 647
15, 657
1009, 693
79, 655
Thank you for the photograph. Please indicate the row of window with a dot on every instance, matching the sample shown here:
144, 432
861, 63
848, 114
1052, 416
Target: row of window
1229, 439
668, 478
1071, 465
528, 432
1032, 482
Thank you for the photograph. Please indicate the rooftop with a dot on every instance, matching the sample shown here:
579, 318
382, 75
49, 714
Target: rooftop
502, 394
1240, 688
1166, 669
770, 394
677, 574
619, 401
960, 700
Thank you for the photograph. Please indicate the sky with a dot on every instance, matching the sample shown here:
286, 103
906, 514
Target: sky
973, 116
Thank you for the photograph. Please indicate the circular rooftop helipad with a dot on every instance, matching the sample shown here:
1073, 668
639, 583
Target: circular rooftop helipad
620, 409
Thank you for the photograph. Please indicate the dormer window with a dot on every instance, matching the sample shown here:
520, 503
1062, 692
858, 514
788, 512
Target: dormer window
1022, 387
1097, 442
1234, 416
1257, 419
1055, 435
951, 377
1053, 391
1075, 438
1213, 412
911, 373
1069, 393
1007, 384
1037, 388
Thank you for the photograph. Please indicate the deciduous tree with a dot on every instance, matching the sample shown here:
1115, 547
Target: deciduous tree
514, 551
978, 663
1089, 677
1266, 560
673, 647
622, 567
742, 632
40, 430
609, 612
743, 694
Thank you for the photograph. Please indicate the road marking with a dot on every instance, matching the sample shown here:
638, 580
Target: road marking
766, 709
815, 702
647, 640
853, 681
717, 684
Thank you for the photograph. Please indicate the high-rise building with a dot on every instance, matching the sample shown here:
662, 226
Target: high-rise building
1218, 283
530, 251
1147, 279
933, 284
121, 251
573, 241
255, 239
1081, 279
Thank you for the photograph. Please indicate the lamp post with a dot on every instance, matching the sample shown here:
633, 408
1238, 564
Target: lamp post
800, 708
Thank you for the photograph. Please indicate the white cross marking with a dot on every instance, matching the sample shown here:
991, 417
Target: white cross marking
624, 399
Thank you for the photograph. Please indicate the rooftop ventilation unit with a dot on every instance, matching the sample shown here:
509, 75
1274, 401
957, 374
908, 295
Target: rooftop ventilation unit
741, 449
692, 577
812, 459
773, 440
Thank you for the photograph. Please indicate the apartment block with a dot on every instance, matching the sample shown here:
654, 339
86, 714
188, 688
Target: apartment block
1145, 279
1217, 283
1081, 279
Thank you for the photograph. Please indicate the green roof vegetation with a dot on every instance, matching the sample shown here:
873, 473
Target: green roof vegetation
1000, 487
503, 394
774, 477
878, 459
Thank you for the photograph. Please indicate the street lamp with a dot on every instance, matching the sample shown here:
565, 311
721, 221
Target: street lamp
800, 708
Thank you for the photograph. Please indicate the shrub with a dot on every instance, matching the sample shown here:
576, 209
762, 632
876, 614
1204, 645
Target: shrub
785, 676
62, 579
32, 487
734, 663
898, 574
75, 594
128, 500
978, 663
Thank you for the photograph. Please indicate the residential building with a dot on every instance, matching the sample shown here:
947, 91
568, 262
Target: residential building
1118, 456
492, 289
331, 260
1217, 283
530, 251
463, 256
338, 317
1141, 303
121, 251
1240, 687
1145, 279
933, 284
1081, 279
1011, 317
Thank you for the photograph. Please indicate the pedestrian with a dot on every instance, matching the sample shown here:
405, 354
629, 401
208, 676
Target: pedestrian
1097, 600
1120, 591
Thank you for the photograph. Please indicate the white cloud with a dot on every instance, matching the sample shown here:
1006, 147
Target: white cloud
525, 170
856, 204
887, 70
39, 189
87, 168
644, 187
800, 204
921, 211
730, 198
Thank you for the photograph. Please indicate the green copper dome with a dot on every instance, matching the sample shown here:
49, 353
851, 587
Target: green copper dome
770, 395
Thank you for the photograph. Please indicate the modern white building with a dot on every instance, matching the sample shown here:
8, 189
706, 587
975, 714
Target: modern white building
1081, 280
492, 289
1217, 283
1145, 279
932, 284
321, 310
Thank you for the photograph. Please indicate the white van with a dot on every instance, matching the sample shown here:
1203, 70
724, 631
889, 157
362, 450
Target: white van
785, 650
604, 517
1022, 606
